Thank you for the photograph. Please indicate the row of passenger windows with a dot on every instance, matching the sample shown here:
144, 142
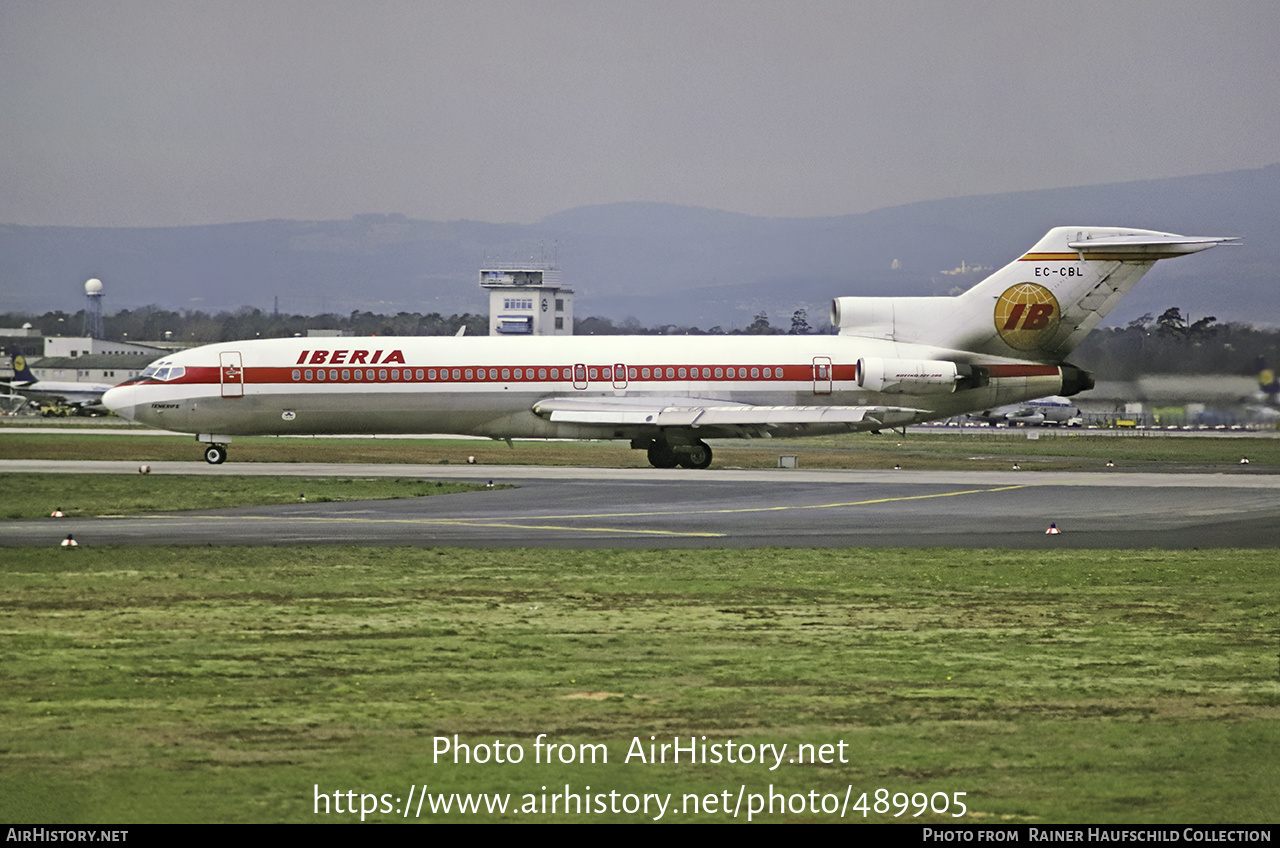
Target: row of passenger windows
347, 374
705, 373
583, 373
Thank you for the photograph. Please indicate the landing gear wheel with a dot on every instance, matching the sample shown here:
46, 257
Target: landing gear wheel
215, 454
662, 456
699, 456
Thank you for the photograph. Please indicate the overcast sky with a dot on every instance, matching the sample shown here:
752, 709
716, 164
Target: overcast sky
135, 113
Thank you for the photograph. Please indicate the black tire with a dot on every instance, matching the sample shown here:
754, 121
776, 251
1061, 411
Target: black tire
662, 456
215, 454
699, 455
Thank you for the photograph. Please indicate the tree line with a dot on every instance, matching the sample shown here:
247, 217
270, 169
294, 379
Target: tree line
1170, 344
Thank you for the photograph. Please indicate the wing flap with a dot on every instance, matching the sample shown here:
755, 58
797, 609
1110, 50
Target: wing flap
705, 412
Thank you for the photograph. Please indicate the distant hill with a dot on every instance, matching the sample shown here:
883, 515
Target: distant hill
661, 264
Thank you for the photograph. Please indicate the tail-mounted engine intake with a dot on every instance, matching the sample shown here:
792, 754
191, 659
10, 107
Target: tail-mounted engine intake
904, 319
918, 376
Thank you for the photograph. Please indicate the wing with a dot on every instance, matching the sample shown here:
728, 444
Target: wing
750, 419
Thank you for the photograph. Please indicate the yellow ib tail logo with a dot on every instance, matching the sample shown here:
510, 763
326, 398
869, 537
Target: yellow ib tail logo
1027, 316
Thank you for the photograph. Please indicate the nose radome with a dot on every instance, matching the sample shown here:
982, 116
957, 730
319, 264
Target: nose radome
120, 400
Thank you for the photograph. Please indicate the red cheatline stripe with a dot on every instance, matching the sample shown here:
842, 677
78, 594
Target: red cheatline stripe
408, 374
1088, 257
258, 375
1050, 257
999, 371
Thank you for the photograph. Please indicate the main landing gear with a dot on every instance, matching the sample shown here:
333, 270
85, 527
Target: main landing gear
663, 454
698, 455
215, 454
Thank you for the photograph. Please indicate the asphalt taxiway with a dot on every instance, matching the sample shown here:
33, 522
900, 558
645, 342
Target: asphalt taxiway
653, 508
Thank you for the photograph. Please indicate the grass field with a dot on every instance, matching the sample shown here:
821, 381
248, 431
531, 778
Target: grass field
238, 684
226, 684
81, 495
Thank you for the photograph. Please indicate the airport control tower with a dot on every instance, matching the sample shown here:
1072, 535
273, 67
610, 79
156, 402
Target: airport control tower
527, 300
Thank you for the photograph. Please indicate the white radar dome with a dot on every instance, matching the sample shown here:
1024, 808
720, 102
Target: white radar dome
93, 287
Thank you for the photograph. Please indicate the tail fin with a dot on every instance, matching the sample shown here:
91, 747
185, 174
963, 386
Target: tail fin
1044, 303
1268, 385
1037, 307
22, 376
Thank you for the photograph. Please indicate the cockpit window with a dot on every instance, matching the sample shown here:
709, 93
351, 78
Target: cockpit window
163, 371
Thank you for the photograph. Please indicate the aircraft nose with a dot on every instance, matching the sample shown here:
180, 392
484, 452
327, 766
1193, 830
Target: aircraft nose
121, 400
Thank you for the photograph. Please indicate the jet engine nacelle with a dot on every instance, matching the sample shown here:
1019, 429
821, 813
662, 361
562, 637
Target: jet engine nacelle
916, 376
904, 319
868, 316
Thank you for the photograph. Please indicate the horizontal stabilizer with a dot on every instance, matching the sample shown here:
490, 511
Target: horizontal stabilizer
1145, 245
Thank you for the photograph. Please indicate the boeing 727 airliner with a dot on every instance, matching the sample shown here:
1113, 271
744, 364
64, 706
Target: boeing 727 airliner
896, 361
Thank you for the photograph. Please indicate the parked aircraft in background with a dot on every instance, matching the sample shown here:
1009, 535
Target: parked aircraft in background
11, 404
79, 396
1050, 410
896, 361
1268, 385
1264, 404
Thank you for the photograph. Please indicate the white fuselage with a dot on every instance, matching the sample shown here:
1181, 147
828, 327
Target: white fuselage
491, 386
75, 394
1049, 410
